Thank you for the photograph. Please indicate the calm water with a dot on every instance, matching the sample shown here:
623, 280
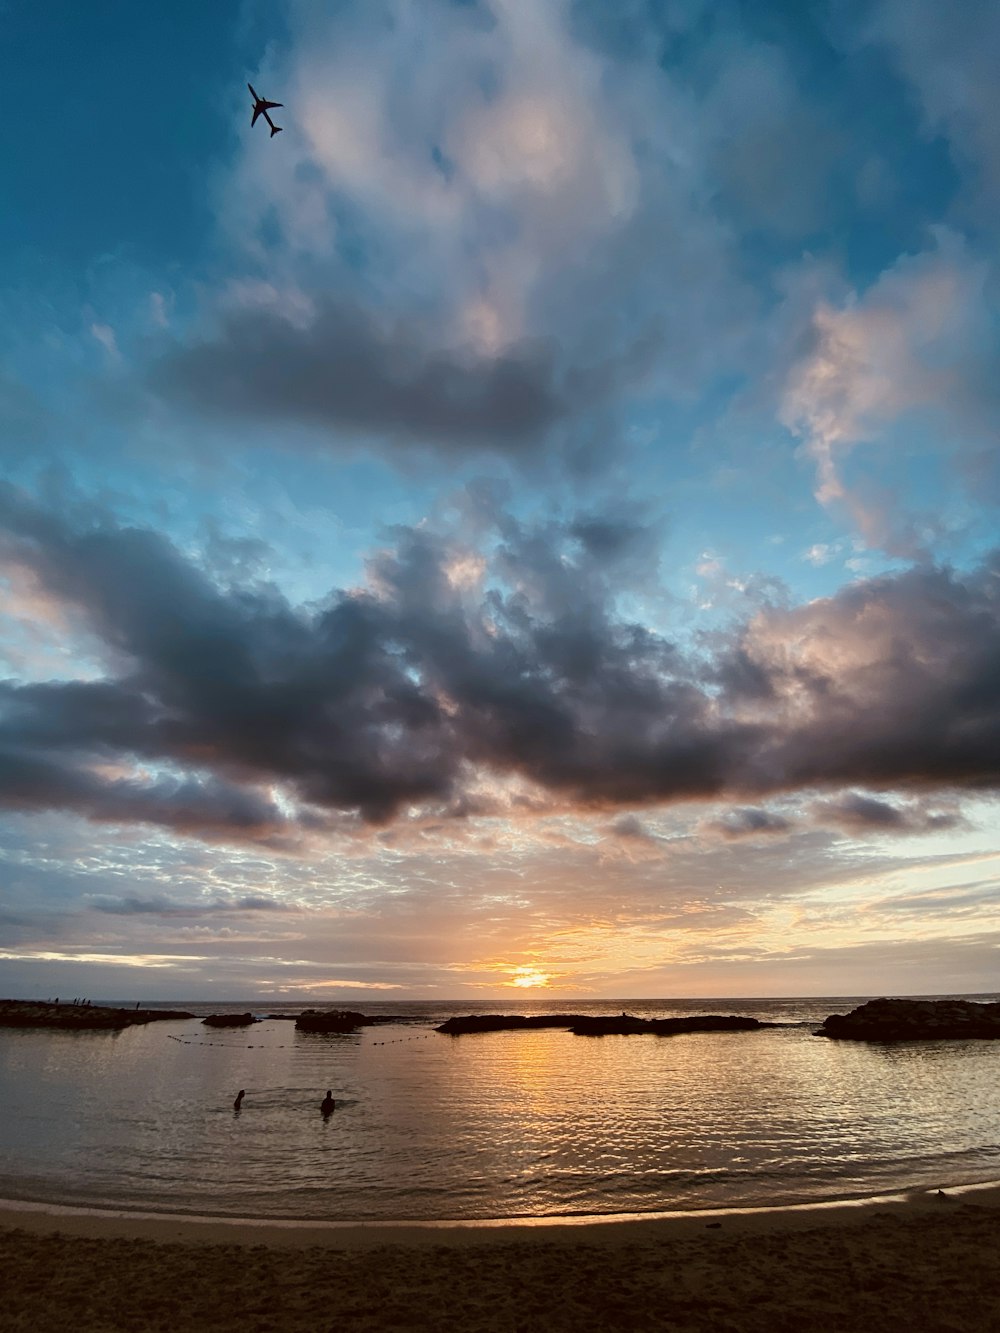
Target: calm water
493, 1125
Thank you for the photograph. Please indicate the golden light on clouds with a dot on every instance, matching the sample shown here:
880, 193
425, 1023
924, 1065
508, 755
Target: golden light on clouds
529, 976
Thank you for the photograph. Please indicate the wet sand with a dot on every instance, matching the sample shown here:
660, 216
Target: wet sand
927, 1261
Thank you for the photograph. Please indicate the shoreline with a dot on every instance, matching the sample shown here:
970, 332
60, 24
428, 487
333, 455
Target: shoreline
616, 1229
920, 1260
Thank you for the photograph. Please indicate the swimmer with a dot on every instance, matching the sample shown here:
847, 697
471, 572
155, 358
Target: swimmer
327, 1104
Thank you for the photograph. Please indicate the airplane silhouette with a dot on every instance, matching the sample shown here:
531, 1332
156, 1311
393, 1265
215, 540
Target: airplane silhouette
262, 107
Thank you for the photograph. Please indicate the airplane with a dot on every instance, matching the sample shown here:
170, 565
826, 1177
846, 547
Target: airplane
262, 107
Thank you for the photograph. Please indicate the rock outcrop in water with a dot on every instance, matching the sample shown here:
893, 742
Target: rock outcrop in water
914, 1020
626, 1026
79, 1017
456, 1027
343, 1020
586, 1025
229, 1020
330, 1020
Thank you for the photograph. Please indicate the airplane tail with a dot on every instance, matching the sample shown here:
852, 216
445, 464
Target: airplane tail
276, 129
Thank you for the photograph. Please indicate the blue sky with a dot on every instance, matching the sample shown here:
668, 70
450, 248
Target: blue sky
530, 523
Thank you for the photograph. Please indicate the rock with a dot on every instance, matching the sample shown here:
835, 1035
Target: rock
664, 1027
330, 1020
456, 1027
586, 1025
914, 1020
229, 1020
79, 1017
363, 1020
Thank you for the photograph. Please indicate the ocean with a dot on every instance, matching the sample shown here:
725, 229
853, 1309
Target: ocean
495, 1125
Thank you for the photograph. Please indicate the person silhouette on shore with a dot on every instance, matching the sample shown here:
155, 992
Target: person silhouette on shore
238, 1103
327, 1104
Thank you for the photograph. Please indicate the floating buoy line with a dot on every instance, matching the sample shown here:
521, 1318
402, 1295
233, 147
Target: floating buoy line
262, 1046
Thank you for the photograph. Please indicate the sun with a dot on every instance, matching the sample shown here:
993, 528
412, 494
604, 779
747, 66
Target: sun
529, 976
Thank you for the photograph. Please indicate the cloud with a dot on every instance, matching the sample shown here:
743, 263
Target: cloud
950, 60
975, 899
856, 813
105, 335
345, 372
751, 822
204, 807
161, 906
916, 339
890, 682
482, 222
506, 151
428, 686
631, 827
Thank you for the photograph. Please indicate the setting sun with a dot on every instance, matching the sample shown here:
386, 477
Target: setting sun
529, 976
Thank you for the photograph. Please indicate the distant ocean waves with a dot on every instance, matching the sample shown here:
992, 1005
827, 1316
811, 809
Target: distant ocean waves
504, 1124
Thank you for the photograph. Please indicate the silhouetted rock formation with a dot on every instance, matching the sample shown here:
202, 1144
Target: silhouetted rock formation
914, 1020
330, 1020
229, 1020
79, 1017
585, 1025
626, 1025
363, 1020
456, 1027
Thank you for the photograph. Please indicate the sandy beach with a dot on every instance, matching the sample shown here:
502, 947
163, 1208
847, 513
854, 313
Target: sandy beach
926, 1261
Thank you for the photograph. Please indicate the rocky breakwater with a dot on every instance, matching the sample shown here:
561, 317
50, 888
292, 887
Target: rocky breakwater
229, 1020
914, 1020
627, 1026
330, 1020
603, 1025
344, 1020
459, 1026
79, 1017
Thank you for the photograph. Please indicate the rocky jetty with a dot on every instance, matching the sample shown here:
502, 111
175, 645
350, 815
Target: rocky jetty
344, 1020
586, 1025
79, 1017
456, 1027
364, 1020
914, 1020
626, 1025
229, 1020
330, 1020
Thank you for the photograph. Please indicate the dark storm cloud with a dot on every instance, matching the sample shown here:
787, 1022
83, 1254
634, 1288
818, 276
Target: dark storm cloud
344, 371
382, 700
240, 685
895, 681
205, 807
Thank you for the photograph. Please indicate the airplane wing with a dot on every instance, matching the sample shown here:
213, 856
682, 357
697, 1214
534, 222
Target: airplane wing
269, 106
256, 112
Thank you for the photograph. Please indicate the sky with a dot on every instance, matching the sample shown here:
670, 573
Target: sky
527, 529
